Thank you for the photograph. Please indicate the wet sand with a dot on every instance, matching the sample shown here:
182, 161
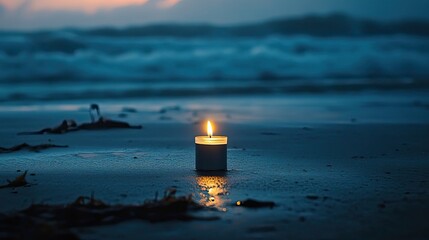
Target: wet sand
337, 166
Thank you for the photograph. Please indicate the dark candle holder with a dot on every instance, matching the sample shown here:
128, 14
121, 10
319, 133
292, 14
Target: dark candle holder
210, 157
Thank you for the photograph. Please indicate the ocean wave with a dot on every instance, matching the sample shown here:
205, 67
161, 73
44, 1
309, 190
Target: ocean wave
272, 58
39, 65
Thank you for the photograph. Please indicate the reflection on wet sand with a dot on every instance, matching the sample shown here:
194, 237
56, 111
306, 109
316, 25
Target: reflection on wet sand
212, 191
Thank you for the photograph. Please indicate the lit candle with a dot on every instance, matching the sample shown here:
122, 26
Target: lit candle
210, 151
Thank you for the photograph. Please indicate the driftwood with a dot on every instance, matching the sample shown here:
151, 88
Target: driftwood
71, 125
19, 181
88, 212
33, 148
104, 123
65, 126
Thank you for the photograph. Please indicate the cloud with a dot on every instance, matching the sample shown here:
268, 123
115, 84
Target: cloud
17, 14
86, 6
11, 4
168, 3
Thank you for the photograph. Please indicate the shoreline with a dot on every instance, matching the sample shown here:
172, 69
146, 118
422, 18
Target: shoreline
337, 177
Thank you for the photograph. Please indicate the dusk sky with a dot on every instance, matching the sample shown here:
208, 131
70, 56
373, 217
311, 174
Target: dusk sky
36, 14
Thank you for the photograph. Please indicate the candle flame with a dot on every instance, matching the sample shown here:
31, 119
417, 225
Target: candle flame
209, 129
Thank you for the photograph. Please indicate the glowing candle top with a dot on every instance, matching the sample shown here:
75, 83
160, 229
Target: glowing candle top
210, 139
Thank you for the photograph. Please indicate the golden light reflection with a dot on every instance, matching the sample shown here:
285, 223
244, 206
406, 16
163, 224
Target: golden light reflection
213, 191
209, 129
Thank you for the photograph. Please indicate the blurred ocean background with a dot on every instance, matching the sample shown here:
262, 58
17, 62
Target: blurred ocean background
294, 55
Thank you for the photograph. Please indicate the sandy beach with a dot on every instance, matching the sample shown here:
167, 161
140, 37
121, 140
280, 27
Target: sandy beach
338, 166
107, 110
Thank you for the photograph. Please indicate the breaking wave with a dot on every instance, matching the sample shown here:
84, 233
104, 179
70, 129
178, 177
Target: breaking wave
66, 64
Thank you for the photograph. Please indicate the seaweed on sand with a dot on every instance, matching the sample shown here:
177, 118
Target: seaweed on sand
89, 212
71, 126
33, 148
19, 181
104, 123
65, 126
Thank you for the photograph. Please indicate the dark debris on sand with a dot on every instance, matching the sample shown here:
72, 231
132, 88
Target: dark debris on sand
65, 126
170, 108
104, 124
312, 197
44, 221
71, 126
129, 110
252, 203
33, 148
19, 181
